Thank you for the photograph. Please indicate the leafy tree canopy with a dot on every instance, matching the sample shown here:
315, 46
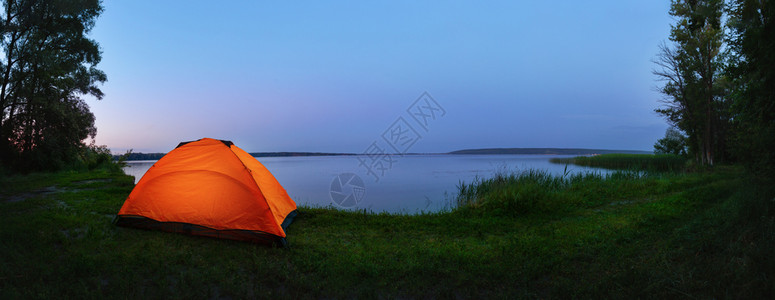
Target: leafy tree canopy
46, 69
674, 142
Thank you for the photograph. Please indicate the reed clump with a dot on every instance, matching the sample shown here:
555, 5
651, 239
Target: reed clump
643, 162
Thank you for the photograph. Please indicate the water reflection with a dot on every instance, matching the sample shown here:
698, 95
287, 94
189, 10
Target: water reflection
413, 184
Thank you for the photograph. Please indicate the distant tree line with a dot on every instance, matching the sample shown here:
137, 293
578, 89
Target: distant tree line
546, 151
47, 67
139, 156
717, 74
286, 154
155, 156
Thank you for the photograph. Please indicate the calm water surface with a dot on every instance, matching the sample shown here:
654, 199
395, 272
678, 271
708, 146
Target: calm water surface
413, 184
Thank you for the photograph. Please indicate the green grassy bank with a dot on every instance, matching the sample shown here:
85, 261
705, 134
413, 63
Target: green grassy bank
703, 234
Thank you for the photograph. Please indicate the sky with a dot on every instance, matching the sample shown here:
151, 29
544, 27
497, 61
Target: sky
334, 76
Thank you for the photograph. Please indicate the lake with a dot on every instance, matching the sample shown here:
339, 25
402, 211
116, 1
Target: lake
407, 184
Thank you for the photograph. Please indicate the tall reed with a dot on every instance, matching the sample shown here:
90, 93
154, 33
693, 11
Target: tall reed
513, 193
643, 162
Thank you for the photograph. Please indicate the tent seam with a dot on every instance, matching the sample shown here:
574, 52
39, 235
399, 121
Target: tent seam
250, 173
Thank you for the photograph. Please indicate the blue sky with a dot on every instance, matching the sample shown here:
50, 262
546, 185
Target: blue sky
332, 76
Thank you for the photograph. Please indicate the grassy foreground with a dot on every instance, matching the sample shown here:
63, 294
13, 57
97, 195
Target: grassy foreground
707, 234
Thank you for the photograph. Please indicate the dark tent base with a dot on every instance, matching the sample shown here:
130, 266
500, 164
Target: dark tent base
253, 236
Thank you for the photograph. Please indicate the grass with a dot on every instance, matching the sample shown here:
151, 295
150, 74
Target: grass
647, 162
531, 235
538, 191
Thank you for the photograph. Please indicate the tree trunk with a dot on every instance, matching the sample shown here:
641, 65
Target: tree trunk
710, 143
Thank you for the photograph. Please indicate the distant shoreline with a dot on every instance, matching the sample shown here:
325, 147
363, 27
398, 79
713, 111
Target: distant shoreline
483, 151
547, 151
156, 156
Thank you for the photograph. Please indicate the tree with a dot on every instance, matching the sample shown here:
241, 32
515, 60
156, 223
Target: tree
691, 68
678, 107
674, 142
47, 67
752, 67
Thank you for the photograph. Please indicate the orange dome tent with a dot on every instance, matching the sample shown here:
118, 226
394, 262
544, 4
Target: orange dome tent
212, 188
